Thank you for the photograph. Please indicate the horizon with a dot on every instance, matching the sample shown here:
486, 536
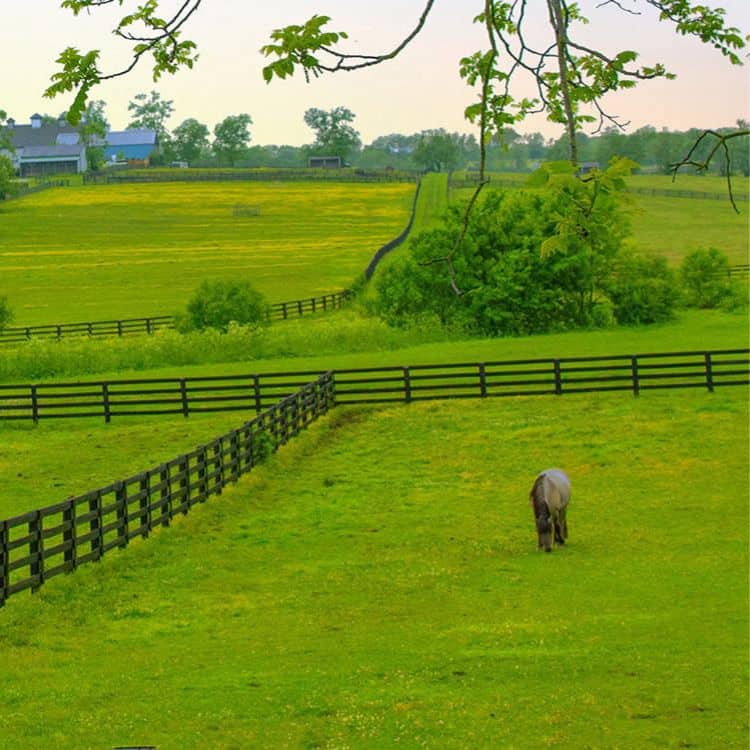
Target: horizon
420, 90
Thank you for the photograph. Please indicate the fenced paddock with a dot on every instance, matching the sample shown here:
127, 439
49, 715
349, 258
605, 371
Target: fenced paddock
138, 326
255, 392
44, 543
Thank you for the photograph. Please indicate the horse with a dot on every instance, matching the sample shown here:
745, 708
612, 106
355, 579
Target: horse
549, 498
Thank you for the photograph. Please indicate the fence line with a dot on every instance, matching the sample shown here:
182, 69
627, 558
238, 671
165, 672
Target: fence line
396, 241
25, 189
127, 326
255, 392
44, 543
249, 175
471, 181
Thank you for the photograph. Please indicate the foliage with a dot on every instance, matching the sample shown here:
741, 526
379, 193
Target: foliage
6, 314
151, 112
643, 290
231, 137
8, 185
707, 281
334, 136
527, 261
190, 140
93, 130
262, 446
436, 151
216, 304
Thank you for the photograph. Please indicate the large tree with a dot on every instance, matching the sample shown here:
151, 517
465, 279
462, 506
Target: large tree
151, 112
334, 134
231, 138
190, 140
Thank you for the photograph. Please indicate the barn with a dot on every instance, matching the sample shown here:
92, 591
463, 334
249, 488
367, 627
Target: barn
133, 146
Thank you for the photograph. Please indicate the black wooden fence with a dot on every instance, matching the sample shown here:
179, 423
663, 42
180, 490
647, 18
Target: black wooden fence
256, 392
129, 326
251, 175
44, 543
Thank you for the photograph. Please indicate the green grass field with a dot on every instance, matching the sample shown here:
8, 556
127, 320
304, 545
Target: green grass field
102, 252
377, 584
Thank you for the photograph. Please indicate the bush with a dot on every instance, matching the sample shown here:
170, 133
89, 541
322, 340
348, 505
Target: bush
216, 304
6, 314
706, 280
643, 289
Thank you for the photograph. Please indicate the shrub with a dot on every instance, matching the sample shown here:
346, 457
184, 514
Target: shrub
6, 314
705, 278
216, 304
643, 289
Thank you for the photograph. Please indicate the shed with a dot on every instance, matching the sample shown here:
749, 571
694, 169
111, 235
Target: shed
324, 162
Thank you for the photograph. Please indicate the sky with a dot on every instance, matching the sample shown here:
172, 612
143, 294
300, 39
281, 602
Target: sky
421, 89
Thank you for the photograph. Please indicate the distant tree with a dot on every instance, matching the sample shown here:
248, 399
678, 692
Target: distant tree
8, 185
231, 138
151, 112
6, 314
190, 140
93, 130
436, 151
334, 135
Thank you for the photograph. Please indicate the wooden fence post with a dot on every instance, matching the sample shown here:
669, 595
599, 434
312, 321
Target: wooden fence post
184, 398
558, 378
234, 453
4, 562
482, 380
183, 466
201, 464
407, 385
34, 405
95, 524
36, 551
69, 536
709, 372
634, 372
144, 505
256, 391
219, 465
165, 494
105, 401
121, 501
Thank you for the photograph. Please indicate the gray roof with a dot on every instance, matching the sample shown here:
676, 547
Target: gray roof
67, 139
134, 137
22, 136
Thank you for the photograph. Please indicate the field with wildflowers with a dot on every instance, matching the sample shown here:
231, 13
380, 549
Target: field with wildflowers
117, 251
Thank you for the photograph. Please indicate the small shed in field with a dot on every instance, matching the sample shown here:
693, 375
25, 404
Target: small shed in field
324, 162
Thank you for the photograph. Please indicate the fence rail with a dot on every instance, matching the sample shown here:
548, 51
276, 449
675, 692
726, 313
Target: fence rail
44, 543
249, 175
472, 180
131, 326
256, 392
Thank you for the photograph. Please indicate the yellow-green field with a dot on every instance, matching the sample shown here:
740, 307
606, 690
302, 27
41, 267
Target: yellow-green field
91, 253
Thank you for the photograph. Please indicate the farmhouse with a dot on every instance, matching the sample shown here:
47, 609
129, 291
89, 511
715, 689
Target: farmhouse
45, 148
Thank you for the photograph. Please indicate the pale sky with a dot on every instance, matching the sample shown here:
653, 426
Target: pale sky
421, 89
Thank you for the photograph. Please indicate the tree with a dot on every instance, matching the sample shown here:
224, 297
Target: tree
190, 140
231, 137
8, 185
436, 151
93, 131
216, 304
334, 136
151, 112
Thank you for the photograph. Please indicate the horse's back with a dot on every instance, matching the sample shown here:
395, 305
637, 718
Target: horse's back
556, 488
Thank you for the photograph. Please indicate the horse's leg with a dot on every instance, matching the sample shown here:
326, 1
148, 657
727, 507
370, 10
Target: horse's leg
564, 522
559, 522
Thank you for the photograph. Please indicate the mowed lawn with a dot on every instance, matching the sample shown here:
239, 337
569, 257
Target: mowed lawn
110, 251
377, 584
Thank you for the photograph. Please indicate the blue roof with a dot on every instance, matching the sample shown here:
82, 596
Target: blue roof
141, 151
135, 137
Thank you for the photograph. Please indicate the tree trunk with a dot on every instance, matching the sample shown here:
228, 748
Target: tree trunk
557, 19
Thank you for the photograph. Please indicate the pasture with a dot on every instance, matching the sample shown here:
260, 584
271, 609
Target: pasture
377, 584
118, 251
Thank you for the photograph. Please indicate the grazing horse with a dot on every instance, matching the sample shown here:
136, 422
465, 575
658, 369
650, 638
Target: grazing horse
549, 498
